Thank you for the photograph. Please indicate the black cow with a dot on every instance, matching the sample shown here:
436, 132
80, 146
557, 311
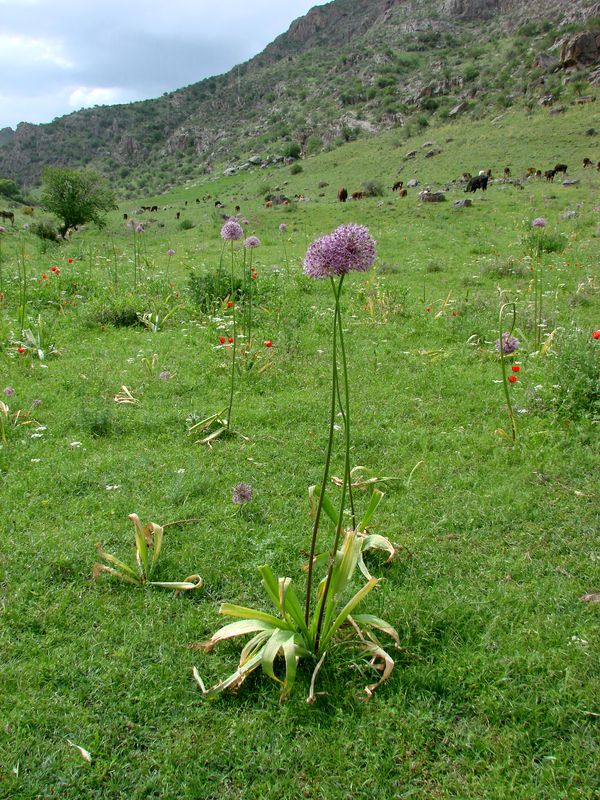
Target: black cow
478, 182
560, 168
549, 174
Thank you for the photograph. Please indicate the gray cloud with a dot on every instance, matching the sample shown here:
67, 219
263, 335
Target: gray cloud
61, 55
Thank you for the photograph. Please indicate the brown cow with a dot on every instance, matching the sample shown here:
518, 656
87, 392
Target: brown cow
269, 204
530, 172
397, 185
587, 162
358, 195
507, 172
8, 215
549, 174
177, 215
342, 195
402, 192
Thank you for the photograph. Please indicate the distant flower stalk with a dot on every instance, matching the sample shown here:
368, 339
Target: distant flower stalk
507, 344
250, 244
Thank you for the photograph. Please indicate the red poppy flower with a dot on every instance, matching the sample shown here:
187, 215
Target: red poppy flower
230, 304
512, 378
596, 334
230, 339
44, 276
69, 260
516, 368
222, 339
21, 349
428, 309
268, 343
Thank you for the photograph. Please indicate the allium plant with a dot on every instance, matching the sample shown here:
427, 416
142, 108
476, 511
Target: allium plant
250, 245
2, 231
312, 629
148, 545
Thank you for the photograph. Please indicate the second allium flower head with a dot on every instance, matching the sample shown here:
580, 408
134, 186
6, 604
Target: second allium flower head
350, 248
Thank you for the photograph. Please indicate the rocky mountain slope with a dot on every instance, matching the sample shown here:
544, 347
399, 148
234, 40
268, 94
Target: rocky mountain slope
345, 69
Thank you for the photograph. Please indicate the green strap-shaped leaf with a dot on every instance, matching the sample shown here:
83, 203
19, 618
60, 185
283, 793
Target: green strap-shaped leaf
290, 652
346, 611
240, 628
269, 653
236, 678
253, 645
231, 610
314, 492
120, 564
376, 498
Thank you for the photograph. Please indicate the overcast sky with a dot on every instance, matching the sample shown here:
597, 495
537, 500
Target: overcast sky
57, 56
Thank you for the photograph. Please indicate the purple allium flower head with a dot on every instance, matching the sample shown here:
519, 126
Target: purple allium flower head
130, 223
164, 375
251, 242
349, 248
139, 228
242, 494
283, 227
26, 226
509, 344
245, 222
170, 252
8, 391
539, 222
231, 231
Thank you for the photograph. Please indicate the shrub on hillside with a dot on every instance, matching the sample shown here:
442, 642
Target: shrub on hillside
209, 288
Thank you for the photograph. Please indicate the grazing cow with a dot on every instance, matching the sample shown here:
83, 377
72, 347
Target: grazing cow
177, 215
479, 182
154, 208
269, 204
507, 172
598, 166
531, 172
549, 174
342, 195
237, 209
125, 216
538, 173
8, 215
560, 168
197, 199
397, 185
219, 204
402, 192
185, 203
358, 195
587, 162
466, 177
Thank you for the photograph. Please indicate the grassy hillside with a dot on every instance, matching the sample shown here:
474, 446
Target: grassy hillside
495, 690
344, 71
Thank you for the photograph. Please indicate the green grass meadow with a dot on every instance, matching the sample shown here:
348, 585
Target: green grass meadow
495, 692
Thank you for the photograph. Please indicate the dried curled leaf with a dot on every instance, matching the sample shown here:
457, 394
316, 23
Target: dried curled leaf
125, 397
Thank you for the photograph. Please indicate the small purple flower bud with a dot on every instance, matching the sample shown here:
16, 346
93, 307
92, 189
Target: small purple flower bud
539, 222
139, 228
242, 494
251, 242
283, 227
170, 252
8, 391
164, 375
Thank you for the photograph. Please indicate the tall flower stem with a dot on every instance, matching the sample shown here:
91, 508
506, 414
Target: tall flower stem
334, 392
539, 287
1, 277
512, 310
234, 347
346, 481
249, 331
22, 288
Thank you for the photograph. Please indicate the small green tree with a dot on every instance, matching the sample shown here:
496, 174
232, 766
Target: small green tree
76, 196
